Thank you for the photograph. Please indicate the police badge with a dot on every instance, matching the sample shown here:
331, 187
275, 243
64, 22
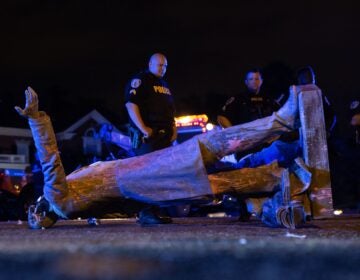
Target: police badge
135, 83
355, 104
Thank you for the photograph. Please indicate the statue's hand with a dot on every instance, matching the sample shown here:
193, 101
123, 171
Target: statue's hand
31, 109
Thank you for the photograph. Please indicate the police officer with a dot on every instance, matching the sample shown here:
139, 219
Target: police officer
242, 108
246, 107
249, 106
150, 106
151, 110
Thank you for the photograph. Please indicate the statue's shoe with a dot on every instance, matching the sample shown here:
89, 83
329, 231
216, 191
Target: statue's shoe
41, 215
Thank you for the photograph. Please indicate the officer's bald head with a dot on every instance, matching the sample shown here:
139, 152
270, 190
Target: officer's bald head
158, 65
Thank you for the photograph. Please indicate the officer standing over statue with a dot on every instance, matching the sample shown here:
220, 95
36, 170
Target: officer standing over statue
150, 106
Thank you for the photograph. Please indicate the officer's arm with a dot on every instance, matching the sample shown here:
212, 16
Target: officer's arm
223, 121
135, 116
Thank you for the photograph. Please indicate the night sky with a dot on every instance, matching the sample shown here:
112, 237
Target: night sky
78, 55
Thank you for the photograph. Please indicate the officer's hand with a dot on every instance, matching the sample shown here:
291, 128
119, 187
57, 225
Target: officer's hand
31, 105
174, 134
355, 120
147, 131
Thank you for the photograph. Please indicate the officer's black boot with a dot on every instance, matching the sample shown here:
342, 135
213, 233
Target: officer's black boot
148, 216
244, 213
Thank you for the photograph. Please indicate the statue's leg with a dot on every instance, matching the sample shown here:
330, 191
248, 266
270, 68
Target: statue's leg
253, 185
247, 181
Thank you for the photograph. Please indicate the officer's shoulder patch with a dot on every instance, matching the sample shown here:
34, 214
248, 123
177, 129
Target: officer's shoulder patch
227, 103
230, 100
135, 83
355, 104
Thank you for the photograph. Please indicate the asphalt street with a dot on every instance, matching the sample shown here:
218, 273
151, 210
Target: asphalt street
190, 248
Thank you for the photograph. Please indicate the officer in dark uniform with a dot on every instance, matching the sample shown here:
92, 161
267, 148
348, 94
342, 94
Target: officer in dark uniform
249, 106
150, 105
151, 109
242, 108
